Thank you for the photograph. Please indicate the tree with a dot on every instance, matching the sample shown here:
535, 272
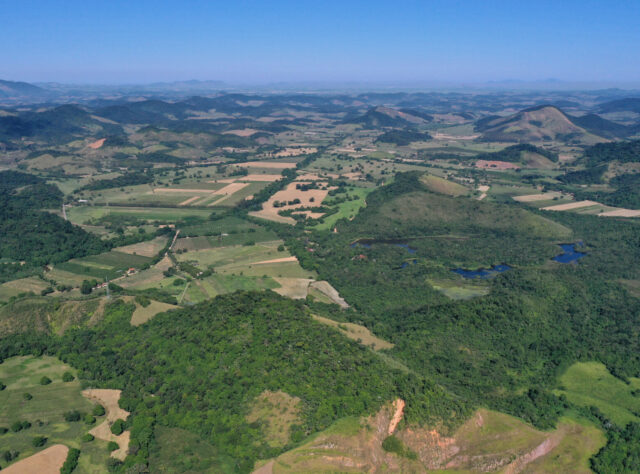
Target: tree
98, 410
118, 427
45, 380
38, 441
85, 288
68, 377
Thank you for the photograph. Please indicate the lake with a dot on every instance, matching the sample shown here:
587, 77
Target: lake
482, 273
570, 253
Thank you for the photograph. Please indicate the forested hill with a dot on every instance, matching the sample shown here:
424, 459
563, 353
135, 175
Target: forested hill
32, 237
201, 368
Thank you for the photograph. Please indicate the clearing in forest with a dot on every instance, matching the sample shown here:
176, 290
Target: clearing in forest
276, 412
142, 314
356, 332
108, 398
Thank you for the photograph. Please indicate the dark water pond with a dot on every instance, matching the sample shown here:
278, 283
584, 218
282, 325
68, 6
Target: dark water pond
570, 253
406, 264
482, 272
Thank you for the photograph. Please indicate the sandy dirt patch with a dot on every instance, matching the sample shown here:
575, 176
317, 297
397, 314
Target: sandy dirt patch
108, 398
266, 468
189, 201
294, 288
398, 411
621, 213
270, 211
47, 461
537, 197
483, 189
353, 176
278, 260
499, 165
570, 205
266, 164
245, 132
97, 144
261, 177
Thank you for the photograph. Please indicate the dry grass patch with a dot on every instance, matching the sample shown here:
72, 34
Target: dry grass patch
294, 288
538, 197
245, 132
571, 205
276, 412
261, 177
150, 248
621, 213
278, 260
356, 332
443, 186
189, 201
267, 164
295, 151
231, 188
47, 461
143, 314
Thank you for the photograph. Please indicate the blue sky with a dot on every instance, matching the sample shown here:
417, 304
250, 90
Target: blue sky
113, 41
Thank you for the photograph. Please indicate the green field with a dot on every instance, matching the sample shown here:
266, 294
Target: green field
81, 214
590, 384
347, 209
105, 265
45, 410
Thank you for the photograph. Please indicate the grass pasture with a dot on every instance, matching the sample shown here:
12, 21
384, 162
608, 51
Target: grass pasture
347, 209
443, 186
143, 314
82, 214
457, 290
45, 410
15, 287
109, 265
150, 248
591, 384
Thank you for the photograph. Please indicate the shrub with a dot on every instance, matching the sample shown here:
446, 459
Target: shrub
27, 396
10, 455
87, 438
2, 386
45, 380
71, 462
112, 446
98, 410
3, 430
86, 287
68, 377
38, 441
143, 301
118, 427
73, 415
391, 444
89, 419
113, 465
20, 425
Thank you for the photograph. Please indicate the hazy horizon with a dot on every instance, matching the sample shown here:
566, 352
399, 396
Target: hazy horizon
410, 42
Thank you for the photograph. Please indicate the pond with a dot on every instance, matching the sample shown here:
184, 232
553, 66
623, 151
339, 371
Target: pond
570, 253
482, 273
